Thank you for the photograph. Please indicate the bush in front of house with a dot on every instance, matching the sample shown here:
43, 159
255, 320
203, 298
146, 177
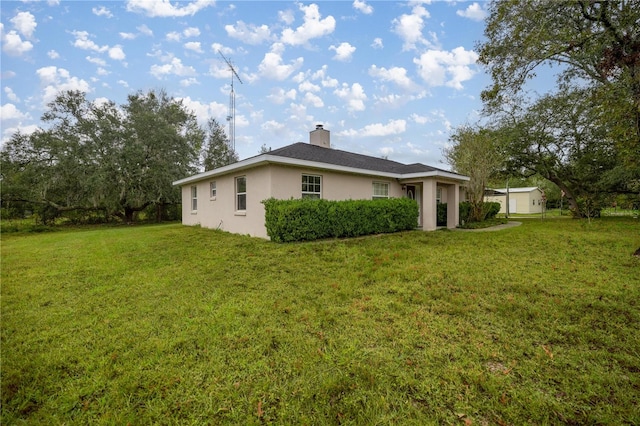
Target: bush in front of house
492, 210
442, 215
309, 219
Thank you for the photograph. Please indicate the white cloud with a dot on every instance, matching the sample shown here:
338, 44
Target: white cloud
313, 27
249, 34
24, 23
278, 95
325, 80
9, 131
194, 46
386, 151
307, 86
10, 112
102, 11
204, 111
175, 67
102, 71
117, 53
164, 8
272, 67
55, 80
191, 32
123, 83
393, 127
173, 36
98, 61
474, 12
377, 43
363, 7
189, 82
217, 47
409, 27
12, 43
343, 51
354, 96
438, 67
397, 75
286, 16
313, 99
144, 30
83, 42
420, 119
128, 36
11, 94
52, 54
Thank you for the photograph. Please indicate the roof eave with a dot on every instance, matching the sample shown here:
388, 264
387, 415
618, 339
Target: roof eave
287, 161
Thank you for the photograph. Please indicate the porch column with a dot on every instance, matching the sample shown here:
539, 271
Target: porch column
453, 201
430, 208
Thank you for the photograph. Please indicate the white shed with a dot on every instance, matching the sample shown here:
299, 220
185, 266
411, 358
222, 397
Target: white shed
521, 200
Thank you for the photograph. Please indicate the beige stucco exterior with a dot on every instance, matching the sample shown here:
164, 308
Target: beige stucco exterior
284, 182
521, 200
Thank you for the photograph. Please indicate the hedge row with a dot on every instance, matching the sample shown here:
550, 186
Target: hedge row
309, 219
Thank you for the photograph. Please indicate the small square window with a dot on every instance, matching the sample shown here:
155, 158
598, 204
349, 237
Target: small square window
380, 190
311, 186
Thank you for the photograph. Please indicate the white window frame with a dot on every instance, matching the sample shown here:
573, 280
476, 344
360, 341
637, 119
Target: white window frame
194, 198
239, 194
213, 190
316, 181
375, 196
439, 195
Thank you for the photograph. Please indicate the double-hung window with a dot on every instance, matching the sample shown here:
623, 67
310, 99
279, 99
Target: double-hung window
241, 193
380, 190
438, 195
194, 198
213, 189
311, 186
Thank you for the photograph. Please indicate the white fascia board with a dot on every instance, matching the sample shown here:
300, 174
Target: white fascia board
436, 173
276, 159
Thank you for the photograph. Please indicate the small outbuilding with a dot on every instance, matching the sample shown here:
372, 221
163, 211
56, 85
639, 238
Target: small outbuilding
521, 200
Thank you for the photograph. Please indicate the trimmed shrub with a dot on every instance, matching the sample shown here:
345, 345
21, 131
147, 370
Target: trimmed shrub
491, 209
441, 220
309, 219
464, 212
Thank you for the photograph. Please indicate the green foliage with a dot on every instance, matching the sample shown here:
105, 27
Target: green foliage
492, 209
217, 152
159, 325
582, 134
464, 212
441, 219
312, 219
101, 157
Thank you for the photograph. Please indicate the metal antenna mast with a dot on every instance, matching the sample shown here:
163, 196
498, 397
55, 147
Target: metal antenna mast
231, 118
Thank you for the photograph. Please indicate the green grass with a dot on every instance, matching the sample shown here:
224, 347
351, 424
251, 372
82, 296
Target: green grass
536, 324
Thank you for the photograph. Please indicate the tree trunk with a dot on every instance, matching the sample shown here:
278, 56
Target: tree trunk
128, 215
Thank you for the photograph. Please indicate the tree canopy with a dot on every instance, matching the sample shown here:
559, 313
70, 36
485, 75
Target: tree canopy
98, 156
217, 152
584, 133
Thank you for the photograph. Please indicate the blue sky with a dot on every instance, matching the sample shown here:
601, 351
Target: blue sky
387, 78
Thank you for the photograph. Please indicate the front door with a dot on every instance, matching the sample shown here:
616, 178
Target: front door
413, 192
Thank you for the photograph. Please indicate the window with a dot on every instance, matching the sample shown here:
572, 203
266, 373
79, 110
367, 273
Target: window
213, 189
380, 190
311, 186
241, 193
534, 202
438, 195
194, 198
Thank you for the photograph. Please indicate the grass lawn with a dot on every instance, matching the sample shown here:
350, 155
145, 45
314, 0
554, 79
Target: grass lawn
537, 324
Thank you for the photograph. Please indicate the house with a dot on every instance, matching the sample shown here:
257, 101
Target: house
229, 197
521, 200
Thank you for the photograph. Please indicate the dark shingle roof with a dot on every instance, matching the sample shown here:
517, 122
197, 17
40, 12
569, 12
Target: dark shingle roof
308, 152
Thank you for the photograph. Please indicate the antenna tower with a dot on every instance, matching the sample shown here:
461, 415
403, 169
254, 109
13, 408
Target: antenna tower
231, 118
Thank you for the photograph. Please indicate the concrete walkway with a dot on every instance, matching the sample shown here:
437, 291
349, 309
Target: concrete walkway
510, 224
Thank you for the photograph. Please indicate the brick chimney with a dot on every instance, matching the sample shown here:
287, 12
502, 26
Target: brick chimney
320, 137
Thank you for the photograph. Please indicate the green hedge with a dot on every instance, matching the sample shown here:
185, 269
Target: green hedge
309, 219
490, 209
